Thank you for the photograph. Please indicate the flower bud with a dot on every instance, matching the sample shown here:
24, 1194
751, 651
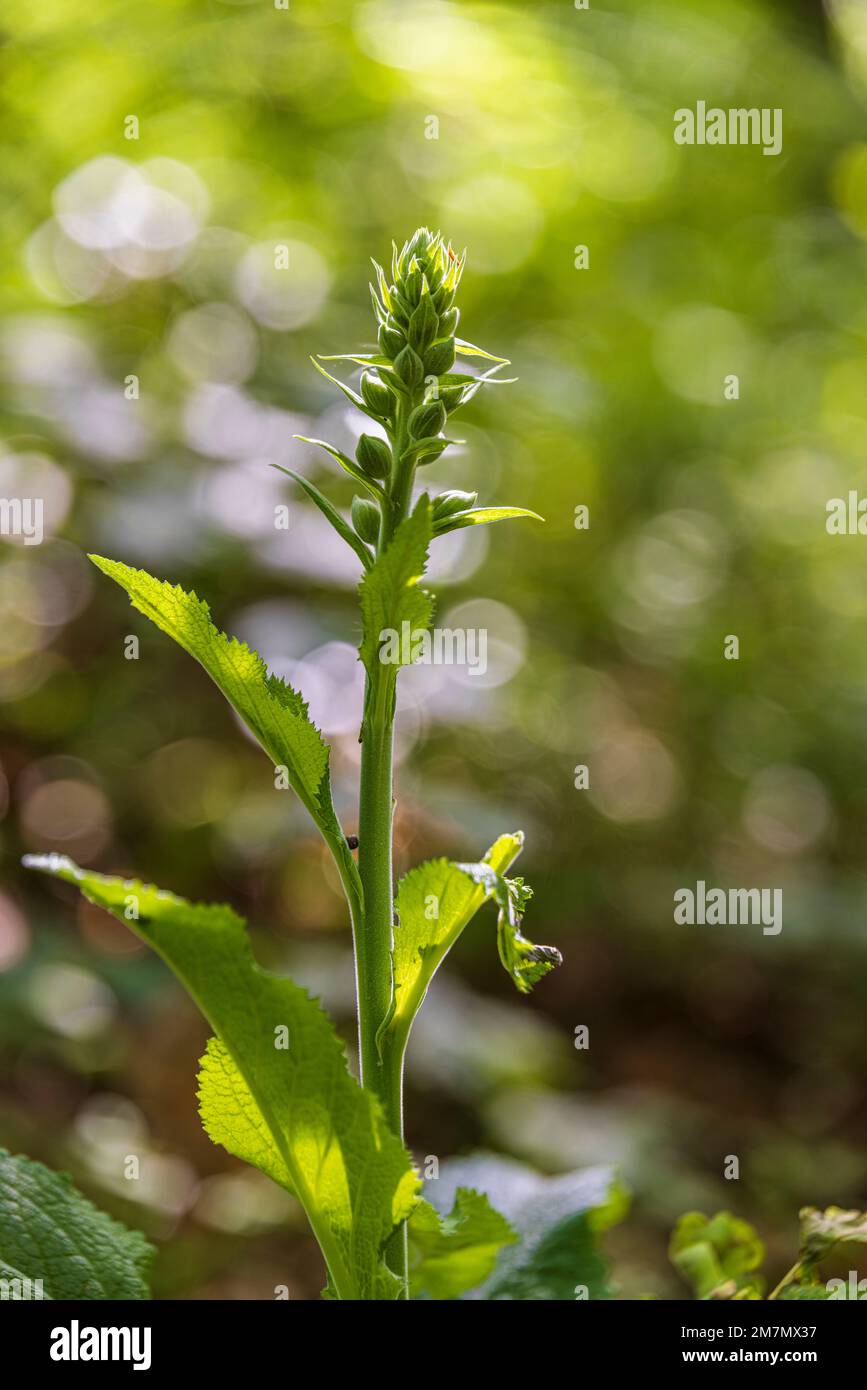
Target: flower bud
449, 322
451, 397
413, 286
409, 367
440, 357
376, 397
443, 299
449, 503
427, 419
365, 519
431, 451
373, 456
423, 325
391, 340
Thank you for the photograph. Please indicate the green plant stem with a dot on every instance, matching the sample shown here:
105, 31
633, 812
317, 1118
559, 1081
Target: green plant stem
373, 956
792, 1277
381, 1060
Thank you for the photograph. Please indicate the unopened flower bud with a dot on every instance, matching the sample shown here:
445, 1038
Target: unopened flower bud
391, 340
427, 419
373, 456
376, 397
449, 503
413, 286
365, 519
451, 397
440, 357
431, 452
409, 367
448, 321
443, 299
424, 324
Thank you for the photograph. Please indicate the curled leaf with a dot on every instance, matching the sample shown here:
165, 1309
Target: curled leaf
523, 960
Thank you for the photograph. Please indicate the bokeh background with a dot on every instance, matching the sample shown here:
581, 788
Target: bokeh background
153, 258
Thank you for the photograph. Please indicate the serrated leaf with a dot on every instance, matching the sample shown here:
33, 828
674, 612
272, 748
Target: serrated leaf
232, 1118
482, 516
274, 713
451, 1254
50, 1232
435, 902
353, 1177
390, 593
557, 1219
332, 515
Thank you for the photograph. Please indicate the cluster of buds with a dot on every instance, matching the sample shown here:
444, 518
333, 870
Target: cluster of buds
416, 321
410, 388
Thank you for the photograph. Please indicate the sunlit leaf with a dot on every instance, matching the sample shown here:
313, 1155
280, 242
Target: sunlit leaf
276, 1086
275, 713
390, 592
482, 516
435, 902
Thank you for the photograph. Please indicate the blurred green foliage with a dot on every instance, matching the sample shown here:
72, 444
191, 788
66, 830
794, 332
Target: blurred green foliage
154, 362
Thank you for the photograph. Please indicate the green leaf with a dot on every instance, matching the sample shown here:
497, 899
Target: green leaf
565, 1260
470, 350
382, 282
330, 512
524, 962
348, 392
814, 1293
232, 1118
274, 713
717, 1256
558, 1221
347, 464
49, 1231
390, 594
362, 359
451, 1254
435, 902
481, 516
295, 1111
